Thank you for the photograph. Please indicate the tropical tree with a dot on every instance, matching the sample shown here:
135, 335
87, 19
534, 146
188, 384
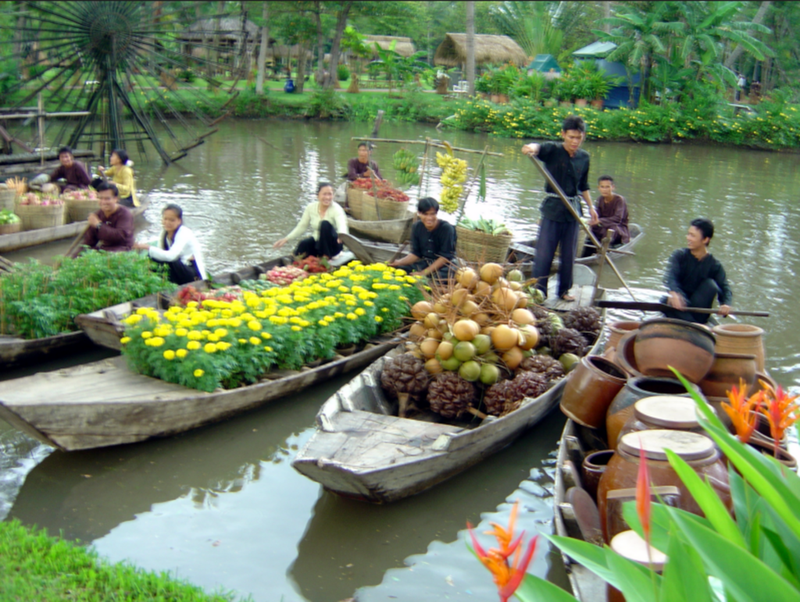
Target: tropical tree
531, 25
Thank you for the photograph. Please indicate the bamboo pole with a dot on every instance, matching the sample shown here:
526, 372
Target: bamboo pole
435, 143
422, 168
602, 260
375, 127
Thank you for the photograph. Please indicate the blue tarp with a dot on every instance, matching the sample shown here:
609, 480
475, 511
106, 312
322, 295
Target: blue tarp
620, 95
544, 63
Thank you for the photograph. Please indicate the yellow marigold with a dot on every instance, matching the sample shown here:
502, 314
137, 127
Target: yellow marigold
156, 342
142, 311
181, 332
212, 323
338, 314
266, 336
132, 319
322, 323
192, 304
147, 334
384, 309
223, 346
255, 340
209, 347
181, 353
213, 338
368, 303
185, 323
360, 311
194, 335
125, 340
296, 328
242, 341
378, 319
161, 331
235, 322
352, 316
193, 345
169, 354
267, 348
221, 332
198, 373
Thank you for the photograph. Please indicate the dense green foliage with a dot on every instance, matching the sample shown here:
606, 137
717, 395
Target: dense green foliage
38, 300
34, 566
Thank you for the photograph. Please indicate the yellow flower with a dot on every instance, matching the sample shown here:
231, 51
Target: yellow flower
266, 336
223, 346
156, 342
198, 373
255, 340
378, 319
360, 311
193, 345
384, 309
132, 319
125, 340
142, 311
213, 338
194, 335
209, 348
352, 316
242, 341
181, 332
254, 325
181, 353
147, 334
169, 354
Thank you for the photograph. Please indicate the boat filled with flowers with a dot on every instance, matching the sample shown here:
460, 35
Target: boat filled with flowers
199, 363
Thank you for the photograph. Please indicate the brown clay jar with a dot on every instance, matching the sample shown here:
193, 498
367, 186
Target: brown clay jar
630, 545
665, 343
621, 409
591, 387
741, 338
622, 471
726, 372
663, 412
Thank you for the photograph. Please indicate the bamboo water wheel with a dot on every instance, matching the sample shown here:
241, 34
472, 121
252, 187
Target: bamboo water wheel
118, 65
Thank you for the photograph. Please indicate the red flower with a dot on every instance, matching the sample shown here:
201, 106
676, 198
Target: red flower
643, 494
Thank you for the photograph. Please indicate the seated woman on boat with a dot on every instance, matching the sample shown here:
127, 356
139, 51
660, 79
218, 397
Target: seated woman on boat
612, 211
70, 170
177, 247
121, 173
110, 227
325, 219
360, 166
694, 276
433, 244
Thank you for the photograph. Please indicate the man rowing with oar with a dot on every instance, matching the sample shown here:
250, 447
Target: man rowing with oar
569, 166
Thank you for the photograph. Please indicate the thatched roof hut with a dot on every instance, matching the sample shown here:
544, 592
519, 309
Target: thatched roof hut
488, 49
282, 51
224, 28
403, 46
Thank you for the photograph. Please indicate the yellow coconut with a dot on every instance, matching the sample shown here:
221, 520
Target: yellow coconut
417, 331
435, 333
431, 320
445, 350
421, 309
459, 297
505, 298
467, 277
513, 357
514, 285
428, 347
529, 337
468, 308
523, 316
503, 337
481, 318
523, 300
491, 272
465, 330
488, 329
433, 366
440, 308
483, 289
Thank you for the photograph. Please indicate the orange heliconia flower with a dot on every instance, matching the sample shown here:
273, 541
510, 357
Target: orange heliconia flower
743, 410
507, 577
643, 495
781, 410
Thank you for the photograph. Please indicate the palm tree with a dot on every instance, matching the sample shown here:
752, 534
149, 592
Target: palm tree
531, 25
639, 32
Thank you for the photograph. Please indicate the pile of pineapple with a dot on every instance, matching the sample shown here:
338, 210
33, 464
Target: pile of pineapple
481, 346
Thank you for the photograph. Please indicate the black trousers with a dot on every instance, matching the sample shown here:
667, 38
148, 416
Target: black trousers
327, 245
179, 272
551, 235
702, 297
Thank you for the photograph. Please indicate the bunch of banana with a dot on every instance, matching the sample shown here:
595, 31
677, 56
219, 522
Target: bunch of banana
487, 226
407, 167
454, 174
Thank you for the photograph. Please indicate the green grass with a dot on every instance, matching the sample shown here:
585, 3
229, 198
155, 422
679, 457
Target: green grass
34, 566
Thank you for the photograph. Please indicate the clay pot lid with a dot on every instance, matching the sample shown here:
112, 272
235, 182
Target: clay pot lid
667, 411
631, 546
738, 330
679, 324
688, 445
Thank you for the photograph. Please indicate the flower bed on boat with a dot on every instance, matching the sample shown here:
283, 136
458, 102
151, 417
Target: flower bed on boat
217, 343
38, 300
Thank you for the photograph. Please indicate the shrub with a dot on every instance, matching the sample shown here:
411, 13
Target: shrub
342, 72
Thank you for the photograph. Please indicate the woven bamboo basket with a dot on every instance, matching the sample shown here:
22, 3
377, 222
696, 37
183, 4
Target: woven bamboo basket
480, 247
354, 201
79, 210
7, 197
10, 228
35, 217
362, 206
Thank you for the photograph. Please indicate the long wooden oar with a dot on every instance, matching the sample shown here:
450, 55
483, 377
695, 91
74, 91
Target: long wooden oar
653, 306
76, 241
563, 197
6, 265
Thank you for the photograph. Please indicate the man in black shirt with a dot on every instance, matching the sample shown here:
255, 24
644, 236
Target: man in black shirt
694, 276
569, 166
433, 243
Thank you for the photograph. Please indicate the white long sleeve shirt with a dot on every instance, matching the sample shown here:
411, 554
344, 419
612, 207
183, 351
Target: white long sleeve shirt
311, 219
184, 247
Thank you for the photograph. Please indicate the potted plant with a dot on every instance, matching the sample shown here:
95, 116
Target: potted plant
582, 90
599, 86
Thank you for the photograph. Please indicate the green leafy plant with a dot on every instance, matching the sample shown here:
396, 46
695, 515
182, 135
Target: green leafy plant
487, 226
342, 72
32, 300
8, 217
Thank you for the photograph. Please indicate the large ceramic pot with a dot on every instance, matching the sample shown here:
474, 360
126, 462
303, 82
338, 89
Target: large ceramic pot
624, 356
591, 387
665, 342
623, 469
741, 338
726, 372
621, 409
671, 412
593, 467
618, 329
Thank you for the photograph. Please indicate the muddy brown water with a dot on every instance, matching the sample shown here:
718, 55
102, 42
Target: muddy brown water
222, 507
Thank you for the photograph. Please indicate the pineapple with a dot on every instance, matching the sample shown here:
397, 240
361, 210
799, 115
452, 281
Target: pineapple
450, 395
404, 377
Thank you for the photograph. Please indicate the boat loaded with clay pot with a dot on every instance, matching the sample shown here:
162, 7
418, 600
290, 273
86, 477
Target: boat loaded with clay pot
597, 464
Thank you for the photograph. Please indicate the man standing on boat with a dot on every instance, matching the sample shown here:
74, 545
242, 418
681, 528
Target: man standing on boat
694, 276
360, 166
569, 166
612, 214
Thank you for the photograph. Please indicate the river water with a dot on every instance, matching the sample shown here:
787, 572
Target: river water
222, 507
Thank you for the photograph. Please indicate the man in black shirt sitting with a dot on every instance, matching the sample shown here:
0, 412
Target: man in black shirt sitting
694, 276
433, 244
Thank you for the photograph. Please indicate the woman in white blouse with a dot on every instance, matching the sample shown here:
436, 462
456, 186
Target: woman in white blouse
178, 248
326, 220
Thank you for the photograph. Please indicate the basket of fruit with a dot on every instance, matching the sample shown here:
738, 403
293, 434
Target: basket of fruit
13, 188
39, 211
9, 222
482, 240
392, 203
80, 203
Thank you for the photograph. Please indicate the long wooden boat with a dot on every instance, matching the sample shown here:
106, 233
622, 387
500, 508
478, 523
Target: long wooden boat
30, 238
361, 450
104, 403
15, 351
525, 250
389, 230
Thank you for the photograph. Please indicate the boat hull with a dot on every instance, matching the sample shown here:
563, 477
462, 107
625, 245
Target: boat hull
390, 230
15, 352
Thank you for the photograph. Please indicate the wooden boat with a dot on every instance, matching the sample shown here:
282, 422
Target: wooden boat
104, 403
361, 450
389, 230
30, 238
15, 351
525, 250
